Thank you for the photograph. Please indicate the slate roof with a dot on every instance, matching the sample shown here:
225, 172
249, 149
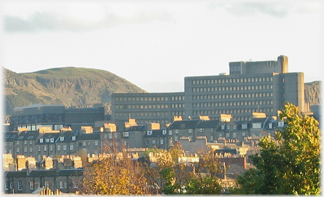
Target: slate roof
208, 124
48, 136
70, 172
136, 128
42, 173
28, 135
67, 137
89, 136
185, 124
258, 120
156, 133
15, 174
10, 136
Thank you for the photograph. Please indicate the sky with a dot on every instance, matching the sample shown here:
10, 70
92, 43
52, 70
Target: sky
156, 44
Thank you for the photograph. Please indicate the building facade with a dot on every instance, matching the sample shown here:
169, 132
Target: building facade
262, 86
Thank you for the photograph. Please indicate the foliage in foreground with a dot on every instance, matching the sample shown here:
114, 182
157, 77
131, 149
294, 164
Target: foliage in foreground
173, 177
116, 174
290, 164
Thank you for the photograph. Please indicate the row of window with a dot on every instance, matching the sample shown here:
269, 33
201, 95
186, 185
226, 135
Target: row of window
161, 106
33, 185
51, 147
150, 99
233, 103
148, 114
234, 96
233, 111
35, 127
232, 88
235, 80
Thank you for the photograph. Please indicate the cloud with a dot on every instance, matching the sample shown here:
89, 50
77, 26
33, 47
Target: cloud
250, 9
274, 9
48, 21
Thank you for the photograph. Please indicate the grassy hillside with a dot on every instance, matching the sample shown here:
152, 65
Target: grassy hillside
313, 92
68, 86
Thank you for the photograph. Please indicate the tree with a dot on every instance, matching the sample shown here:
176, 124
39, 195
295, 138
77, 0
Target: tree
289, 163
115, 174
168, 176
205, 180
173, 177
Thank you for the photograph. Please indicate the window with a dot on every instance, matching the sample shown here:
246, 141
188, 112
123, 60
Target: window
74, 137
31, 185
58, 147
161, 141
75, 185
64, 147
61, 184
41, 140
149, 132
25, 149
46, 183
19, 185
71, 146
45, 148
62, 138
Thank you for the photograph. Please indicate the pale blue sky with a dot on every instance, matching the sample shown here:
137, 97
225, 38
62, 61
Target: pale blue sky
155, 45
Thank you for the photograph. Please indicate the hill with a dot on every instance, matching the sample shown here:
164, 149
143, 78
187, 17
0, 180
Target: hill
69, 86
313, 93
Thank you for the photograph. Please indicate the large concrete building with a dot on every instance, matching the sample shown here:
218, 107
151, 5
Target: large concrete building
258, 86
55, 116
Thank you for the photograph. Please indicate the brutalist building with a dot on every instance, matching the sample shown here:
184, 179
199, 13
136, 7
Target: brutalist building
253, 86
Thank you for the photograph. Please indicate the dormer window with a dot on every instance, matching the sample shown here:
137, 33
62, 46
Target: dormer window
62, 138
47, 140
164, 132
52, 140
41, 140
149, 132
73, 138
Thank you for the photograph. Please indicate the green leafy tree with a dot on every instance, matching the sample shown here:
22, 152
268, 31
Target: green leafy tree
290, 163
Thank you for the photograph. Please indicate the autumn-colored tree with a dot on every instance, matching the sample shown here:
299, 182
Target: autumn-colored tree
115, 174
290, 163
205, 180
173, 177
